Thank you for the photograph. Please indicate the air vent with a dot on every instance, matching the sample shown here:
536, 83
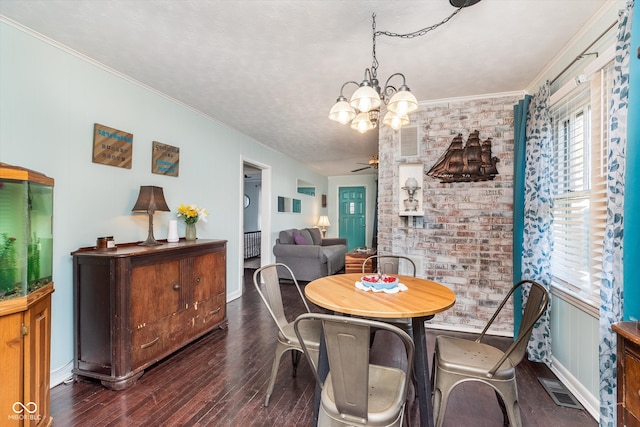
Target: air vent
559, 393
409, 141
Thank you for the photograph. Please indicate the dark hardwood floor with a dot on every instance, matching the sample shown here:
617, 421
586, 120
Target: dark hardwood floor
221, 380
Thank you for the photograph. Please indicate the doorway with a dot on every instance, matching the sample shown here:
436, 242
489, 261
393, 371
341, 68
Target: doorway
251, 218
352, 216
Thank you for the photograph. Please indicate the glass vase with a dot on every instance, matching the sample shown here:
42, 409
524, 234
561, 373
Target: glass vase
190, 232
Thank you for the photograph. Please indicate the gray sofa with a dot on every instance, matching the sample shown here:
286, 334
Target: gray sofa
309, 255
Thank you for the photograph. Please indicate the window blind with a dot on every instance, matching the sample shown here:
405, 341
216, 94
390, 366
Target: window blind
580, 123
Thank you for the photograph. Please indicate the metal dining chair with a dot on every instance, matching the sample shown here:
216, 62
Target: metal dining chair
356, 392
391, 264
458, 360
267, 284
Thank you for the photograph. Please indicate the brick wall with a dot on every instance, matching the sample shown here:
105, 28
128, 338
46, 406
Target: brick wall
464, 239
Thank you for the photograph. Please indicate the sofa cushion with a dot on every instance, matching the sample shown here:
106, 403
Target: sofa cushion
335, 257
286, 237
307, 236
316, 236
300, 239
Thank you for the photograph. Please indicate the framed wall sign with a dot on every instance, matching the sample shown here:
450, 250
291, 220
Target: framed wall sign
112, 147
165, 159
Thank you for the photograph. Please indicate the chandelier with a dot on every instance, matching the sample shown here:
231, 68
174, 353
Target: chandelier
363, 109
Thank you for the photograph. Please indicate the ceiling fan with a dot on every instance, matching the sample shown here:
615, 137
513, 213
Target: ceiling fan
373, 163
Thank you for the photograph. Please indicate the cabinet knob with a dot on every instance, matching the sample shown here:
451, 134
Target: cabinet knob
197, 280
176, 287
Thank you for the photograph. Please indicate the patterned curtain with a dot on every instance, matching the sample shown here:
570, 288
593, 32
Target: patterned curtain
538, 200
611, 287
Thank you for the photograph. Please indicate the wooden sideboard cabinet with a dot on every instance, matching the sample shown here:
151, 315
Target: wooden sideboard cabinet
134, 305
628, 374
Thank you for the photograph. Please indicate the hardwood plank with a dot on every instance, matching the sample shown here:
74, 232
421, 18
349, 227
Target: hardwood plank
221, 380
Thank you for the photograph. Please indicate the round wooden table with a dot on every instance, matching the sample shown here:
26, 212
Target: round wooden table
420, 302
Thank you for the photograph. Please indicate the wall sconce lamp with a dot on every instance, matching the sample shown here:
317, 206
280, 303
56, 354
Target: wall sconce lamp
150, 199
323, 223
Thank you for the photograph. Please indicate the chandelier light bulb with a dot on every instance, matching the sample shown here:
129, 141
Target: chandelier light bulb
344, 117
365, 99
403, 102
362, 123
395, 121
342, 112
402, 107
364, 105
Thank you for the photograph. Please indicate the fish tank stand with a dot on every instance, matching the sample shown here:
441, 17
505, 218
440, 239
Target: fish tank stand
26, 285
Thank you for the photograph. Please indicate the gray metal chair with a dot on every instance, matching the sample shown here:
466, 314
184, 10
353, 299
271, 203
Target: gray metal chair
390, 264
287, 340
458, 360
355, 392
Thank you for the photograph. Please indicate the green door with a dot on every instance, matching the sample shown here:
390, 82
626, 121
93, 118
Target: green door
352, 216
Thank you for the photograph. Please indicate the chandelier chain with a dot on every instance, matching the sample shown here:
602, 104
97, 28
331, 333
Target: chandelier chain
414, 34
418, 33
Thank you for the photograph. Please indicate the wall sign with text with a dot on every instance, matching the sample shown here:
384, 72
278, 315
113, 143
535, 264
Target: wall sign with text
165, 159
112, 147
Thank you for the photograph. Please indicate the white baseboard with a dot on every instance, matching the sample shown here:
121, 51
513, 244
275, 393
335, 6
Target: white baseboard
590, 402
60, 375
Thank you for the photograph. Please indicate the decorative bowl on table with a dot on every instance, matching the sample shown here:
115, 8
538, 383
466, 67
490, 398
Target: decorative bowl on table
379, 282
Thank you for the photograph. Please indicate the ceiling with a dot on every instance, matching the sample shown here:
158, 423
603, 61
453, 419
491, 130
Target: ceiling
272, 69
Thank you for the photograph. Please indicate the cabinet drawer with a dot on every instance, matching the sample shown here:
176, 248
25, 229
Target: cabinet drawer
209, 313
148, 344
632, 385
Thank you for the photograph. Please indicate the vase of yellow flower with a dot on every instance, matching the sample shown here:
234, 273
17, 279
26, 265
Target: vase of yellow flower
190, 232
191, 215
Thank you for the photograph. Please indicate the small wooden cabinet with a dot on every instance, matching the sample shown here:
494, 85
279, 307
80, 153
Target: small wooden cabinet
135, 305
25, 352
353, 261
628, 373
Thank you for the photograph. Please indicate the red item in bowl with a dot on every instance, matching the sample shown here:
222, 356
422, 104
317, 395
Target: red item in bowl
376, 282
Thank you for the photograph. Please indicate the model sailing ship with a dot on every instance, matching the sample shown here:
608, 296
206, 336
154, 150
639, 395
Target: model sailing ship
466, 163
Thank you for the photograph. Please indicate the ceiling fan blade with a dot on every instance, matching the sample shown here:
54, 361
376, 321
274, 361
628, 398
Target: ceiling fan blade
360, 169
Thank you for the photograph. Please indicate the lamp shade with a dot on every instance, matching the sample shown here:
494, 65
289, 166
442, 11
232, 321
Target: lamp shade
342, 112
323, 221
365, 99
394, 120
150, 199
403, 102
362, 123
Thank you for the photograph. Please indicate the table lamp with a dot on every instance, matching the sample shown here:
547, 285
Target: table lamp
150, 199
323, 223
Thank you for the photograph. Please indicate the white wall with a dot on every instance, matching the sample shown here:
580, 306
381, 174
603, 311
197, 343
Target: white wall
51, 98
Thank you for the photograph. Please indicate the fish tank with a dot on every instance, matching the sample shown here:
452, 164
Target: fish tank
26, 231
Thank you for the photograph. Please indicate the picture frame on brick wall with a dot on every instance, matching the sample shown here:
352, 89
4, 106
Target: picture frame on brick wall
411, 185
